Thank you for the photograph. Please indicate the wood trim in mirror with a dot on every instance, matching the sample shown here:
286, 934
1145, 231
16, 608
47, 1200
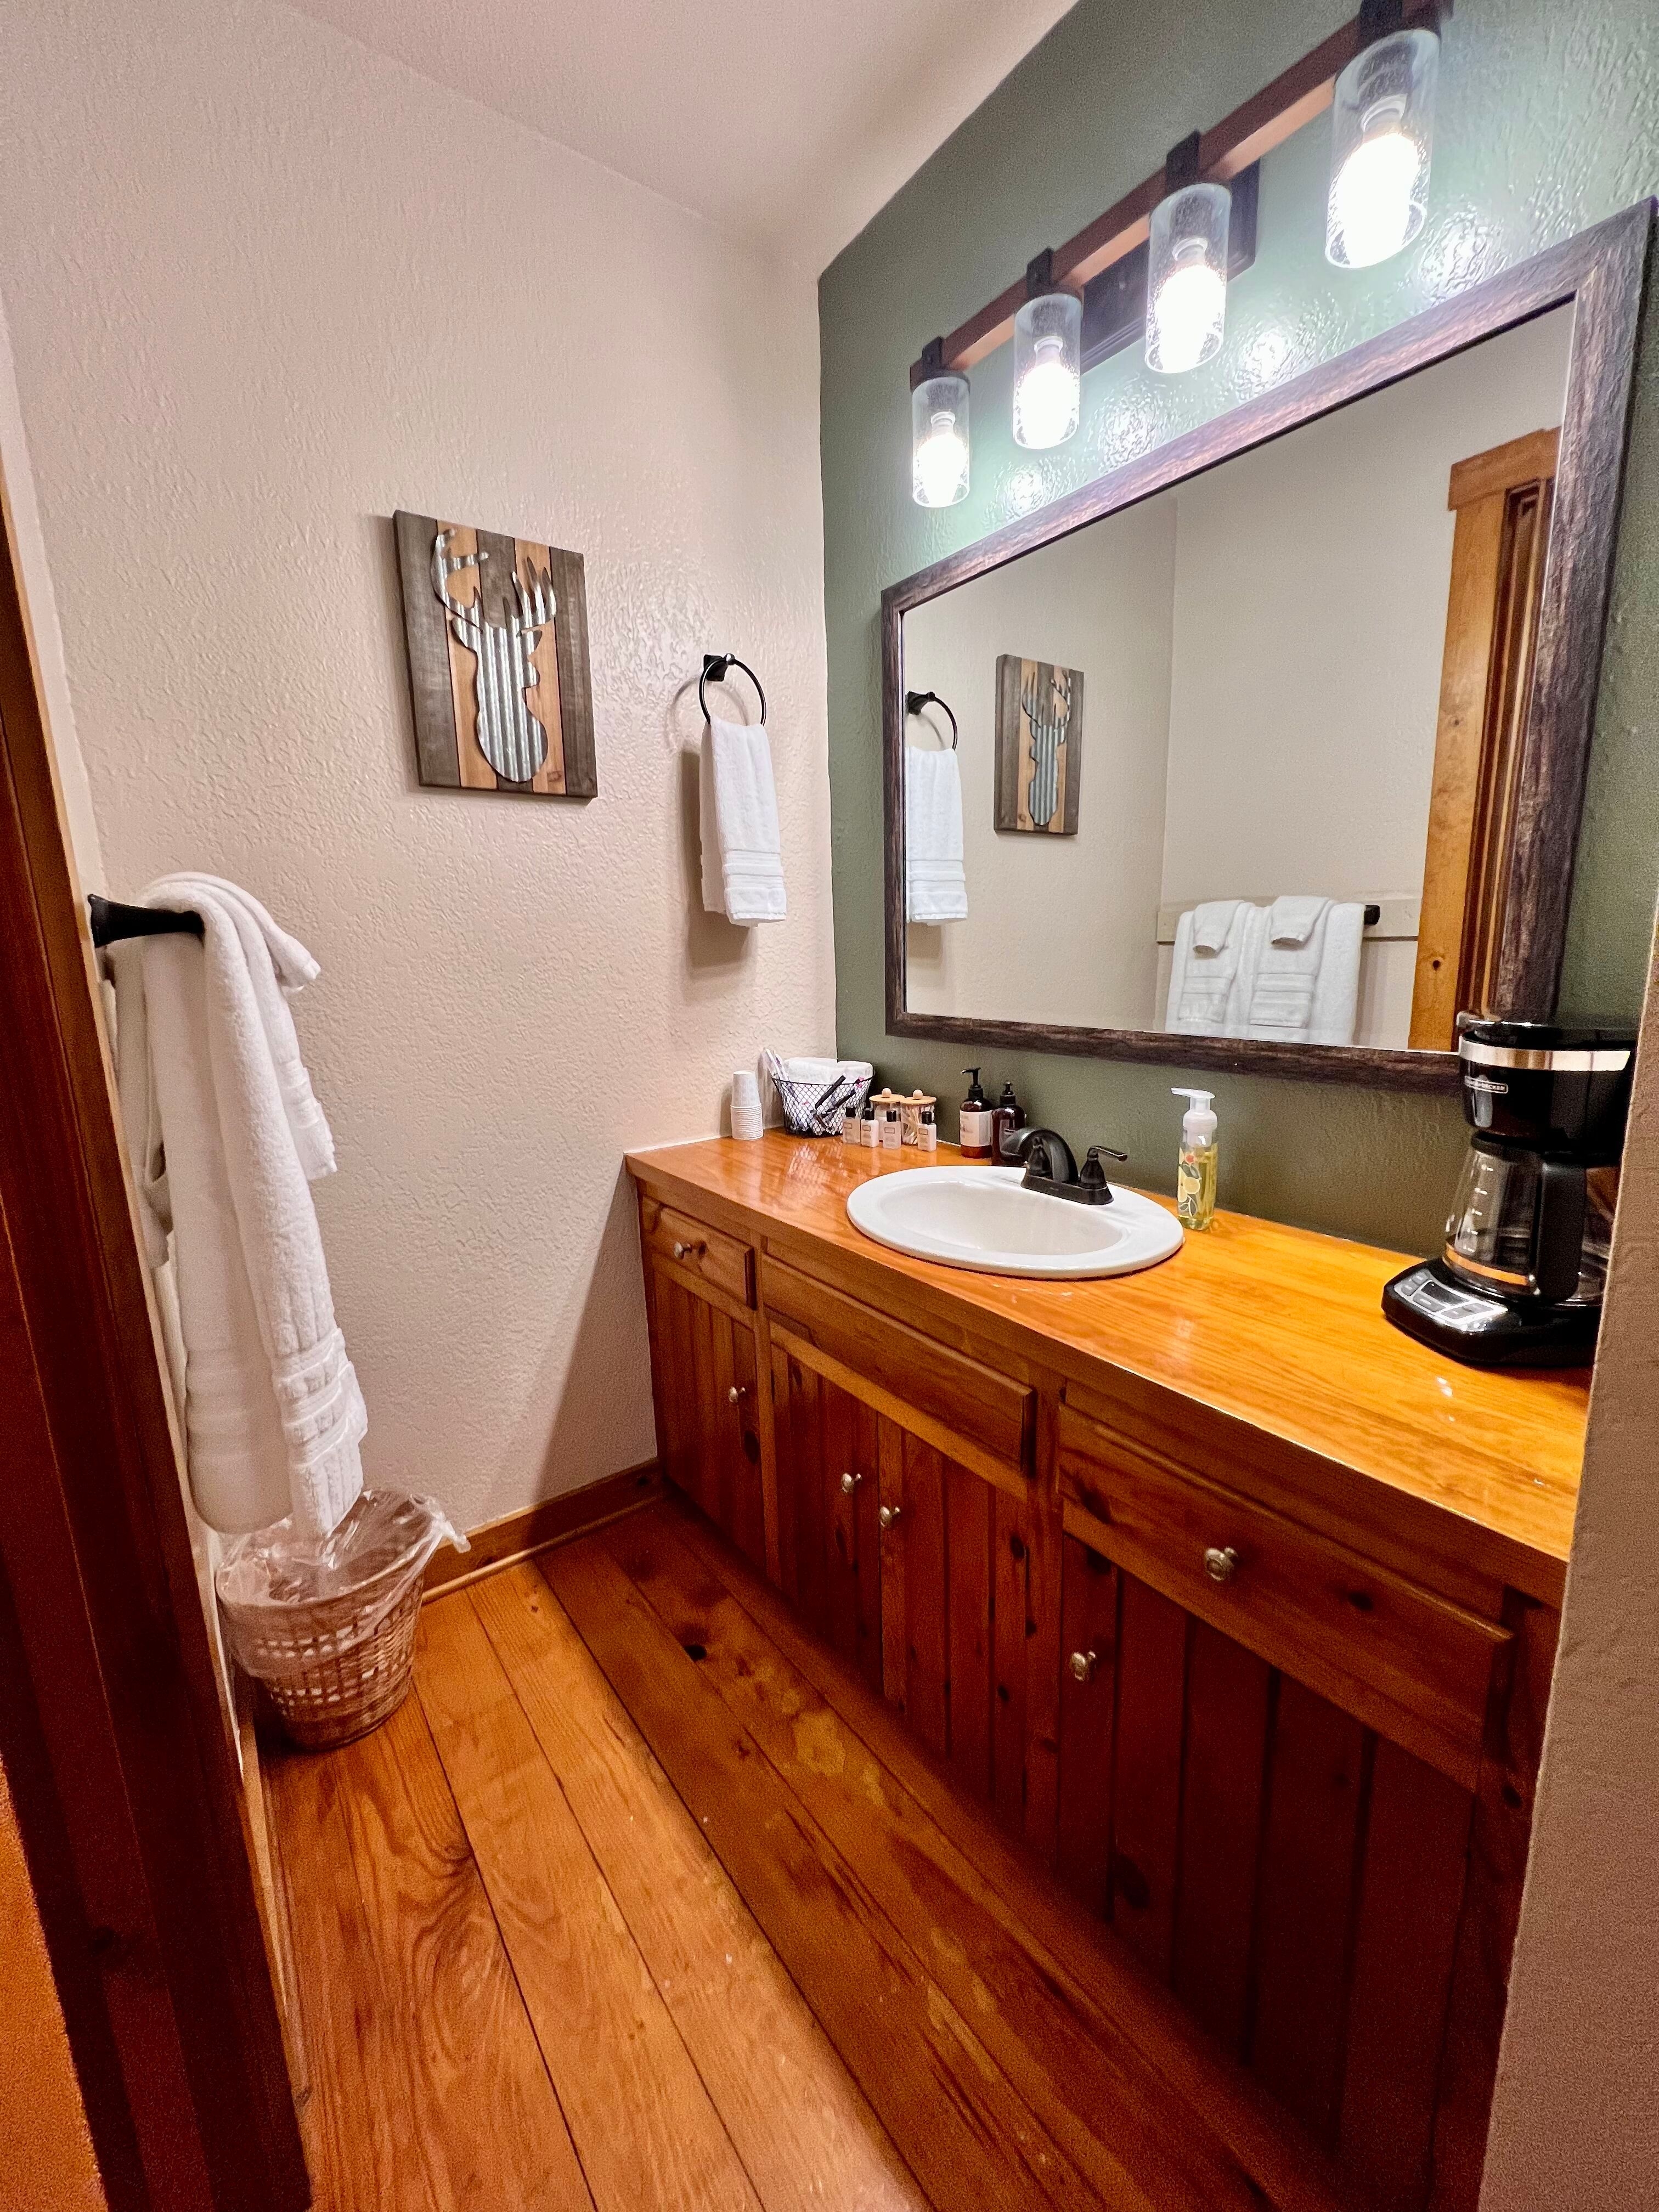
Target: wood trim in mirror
1601, 274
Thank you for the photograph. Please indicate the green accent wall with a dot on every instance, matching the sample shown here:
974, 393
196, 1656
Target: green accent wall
1548, 120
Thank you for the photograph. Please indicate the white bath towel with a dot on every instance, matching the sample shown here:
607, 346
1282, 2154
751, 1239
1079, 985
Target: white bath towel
1204, 972
738, 803
273, 1414
935, 887
1299, 975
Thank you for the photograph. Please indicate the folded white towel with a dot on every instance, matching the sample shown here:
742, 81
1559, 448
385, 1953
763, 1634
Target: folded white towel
273, 1413
1299, 977
1213, 924
1293, 919
1204, 972
935, 887
738, 803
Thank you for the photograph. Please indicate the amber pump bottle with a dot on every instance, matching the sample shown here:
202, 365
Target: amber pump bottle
1007, 1116
974, 1121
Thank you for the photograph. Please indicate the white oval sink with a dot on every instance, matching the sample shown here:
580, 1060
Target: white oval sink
983, 1218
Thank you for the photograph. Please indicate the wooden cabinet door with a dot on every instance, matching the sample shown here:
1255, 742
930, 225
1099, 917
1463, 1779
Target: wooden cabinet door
829, 1499
1296, 1880
930, 1580
709, 1420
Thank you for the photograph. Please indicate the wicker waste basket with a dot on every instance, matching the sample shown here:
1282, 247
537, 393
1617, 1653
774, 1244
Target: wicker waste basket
329, 1631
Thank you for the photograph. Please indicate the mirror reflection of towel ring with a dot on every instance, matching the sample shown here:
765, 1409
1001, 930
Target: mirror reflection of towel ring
719, 665
915, 701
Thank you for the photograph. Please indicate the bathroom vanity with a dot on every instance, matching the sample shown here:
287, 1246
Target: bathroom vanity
1237, 1605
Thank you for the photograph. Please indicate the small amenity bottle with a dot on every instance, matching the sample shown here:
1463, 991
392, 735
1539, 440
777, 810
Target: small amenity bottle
926, 1131
974, 1121
1195, 1168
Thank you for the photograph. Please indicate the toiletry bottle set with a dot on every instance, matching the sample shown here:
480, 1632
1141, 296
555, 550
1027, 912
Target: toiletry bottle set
982, 1125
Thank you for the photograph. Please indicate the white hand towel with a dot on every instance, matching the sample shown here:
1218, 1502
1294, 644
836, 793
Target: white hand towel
1293, 919
742, 846
935, 886
1213, 924
273, 1412
1204, 972
1300, 983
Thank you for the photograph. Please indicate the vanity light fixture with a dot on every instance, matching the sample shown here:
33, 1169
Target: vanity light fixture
1382, 133
1187, 266
939, 430
1047, 359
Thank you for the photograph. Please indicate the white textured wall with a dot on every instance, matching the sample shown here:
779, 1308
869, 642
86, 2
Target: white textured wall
264, 288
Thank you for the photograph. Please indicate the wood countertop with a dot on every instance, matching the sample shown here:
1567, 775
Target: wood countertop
1277, 1328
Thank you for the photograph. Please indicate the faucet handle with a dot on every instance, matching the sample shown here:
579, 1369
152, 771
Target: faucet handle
1092, 1175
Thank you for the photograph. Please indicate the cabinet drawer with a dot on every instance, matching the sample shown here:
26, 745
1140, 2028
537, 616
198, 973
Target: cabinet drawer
709, 1253
994, 1412
1402, 1660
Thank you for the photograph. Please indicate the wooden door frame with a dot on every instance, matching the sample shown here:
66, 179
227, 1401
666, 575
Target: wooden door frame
123, 1778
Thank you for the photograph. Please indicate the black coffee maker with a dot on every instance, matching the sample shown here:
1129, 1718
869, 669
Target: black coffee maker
1519, 1283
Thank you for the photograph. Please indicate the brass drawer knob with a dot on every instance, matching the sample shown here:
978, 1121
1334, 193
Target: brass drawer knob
849, 1483
737, 1394
688, 1251
1221, 1565
888, 1516
1083, 1665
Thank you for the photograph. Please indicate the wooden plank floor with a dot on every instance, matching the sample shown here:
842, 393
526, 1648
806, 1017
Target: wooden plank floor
645, 1904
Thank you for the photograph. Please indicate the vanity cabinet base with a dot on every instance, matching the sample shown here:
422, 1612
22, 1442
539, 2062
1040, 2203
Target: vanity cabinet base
1296, 1782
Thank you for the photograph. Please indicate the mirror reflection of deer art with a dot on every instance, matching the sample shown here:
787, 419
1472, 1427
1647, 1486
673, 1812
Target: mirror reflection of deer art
1039, 745
499, 676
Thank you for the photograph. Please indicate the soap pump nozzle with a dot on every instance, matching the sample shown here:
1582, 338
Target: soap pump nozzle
1198, 1123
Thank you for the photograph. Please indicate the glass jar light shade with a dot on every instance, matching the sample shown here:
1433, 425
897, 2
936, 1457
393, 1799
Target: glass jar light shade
938, 441
1381, 131
1048, 369
1187, 278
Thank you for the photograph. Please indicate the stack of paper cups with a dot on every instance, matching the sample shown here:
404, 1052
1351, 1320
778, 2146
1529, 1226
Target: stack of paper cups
746, 1121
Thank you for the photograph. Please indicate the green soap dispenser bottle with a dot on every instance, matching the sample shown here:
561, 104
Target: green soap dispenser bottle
1196, 1167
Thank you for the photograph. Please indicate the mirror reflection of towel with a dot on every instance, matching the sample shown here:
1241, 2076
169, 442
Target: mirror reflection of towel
1299, 974
935, 884
1209, 940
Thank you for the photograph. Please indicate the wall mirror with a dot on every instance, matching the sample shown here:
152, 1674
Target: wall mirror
1268, 750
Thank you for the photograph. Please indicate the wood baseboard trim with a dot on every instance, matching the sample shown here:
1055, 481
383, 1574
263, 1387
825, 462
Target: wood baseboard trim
533, 1528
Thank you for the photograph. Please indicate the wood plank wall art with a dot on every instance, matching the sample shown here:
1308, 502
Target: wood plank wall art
498, 665
1039, 745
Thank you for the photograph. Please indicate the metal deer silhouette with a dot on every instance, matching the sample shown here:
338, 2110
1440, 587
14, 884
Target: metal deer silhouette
1047, 718
511, 735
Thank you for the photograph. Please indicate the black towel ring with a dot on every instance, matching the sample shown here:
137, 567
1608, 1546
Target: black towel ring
915, 701
719, 665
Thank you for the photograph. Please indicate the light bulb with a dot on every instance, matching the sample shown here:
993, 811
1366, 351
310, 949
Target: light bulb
941, 469
939, 440
1188, 314
1186, 277
1046, 403
1382, 134
1374, 199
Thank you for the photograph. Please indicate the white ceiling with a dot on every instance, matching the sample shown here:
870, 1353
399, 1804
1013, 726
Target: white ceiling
786, 121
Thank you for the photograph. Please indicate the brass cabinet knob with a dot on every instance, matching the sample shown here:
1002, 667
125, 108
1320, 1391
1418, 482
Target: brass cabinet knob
687, 1251
849, 1483
888, 1516
1221, 1565
1082, 1664
737, 1394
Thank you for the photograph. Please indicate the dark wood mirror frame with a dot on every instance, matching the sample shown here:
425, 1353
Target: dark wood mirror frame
1599, 273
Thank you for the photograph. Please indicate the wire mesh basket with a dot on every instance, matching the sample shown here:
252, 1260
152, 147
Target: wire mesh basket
816, 1094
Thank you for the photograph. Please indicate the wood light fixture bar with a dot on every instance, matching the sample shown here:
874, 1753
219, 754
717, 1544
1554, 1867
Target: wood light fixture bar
1235, 144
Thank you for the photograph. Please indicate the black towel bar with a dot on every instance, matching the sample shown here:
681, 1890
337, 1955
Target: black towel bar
112, 921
